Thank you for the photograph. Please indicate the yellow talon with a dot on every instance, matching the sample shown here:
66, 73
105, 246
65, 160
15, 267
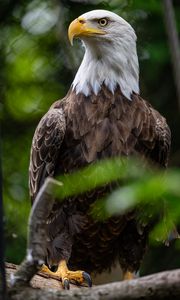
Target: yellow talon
67, 276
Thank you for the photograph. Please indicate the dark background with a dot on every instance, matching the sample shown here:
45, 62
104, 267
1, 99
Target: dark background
37, 66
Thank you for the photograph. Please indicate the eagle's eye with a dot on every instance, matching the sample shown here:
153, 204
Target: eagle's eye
103, 22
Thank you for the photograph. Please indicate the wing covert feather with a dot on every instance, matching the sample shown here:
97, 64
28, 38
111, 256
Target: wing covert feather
46, 143
155, 137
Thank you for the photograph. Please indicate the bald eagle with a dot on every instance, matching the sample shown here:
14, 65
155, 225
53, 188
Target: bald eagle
101, 116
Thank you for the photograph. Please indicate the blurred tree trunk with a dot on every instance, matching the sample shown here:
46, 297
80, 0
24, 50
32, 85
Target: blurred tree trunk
172, 34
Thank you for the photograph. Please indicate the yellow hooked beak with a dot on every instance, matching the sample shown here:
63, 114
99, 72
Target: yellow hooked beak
79, 28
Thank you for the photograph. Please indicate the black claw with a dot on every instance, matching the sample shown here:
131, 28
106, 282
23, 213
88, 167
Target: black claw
66, 284
87, 278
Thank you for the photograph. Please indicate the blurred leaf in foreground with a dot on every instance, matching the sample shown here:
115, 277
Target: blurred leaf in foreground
154, 193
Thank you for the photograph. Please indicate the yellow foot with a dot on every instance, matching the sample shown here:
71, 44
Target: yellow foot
128, 275
66, 276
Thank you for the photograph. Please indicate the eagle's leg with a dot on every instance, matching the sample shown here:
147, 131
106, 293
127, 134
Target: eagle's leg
67, 276
128, 275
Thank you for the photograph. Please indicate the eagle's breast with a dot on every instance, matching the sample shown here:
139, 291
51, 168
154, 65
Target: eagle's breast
98, 126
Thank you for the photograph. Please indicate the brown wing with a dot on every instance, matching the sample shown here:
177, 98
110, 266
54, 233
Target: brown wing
154, 140
45, 148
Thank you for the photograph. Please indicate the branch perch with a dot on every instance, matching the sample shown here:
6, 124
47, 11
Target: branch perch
164, 285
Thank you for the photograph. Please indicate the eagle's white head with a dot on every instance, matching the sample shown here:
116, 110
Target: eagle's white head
110, 53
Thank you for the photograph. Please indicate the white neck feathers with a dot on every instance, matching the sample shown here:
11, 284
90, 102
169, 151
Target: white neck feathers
112, 64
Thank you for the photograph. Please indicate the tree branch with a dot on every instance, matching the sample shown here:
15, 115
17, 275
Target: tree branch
164, 285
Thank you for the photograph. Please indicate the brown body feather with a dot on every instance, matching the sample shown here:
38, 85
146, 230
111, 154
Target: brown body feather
79, 130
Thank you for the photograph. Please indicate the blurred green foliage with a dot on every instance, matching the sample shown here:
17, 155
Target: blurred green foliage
37, 67
155, 194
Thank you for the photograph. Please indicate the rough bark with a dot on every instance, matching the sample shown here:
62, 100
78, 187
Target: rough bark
164, 285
